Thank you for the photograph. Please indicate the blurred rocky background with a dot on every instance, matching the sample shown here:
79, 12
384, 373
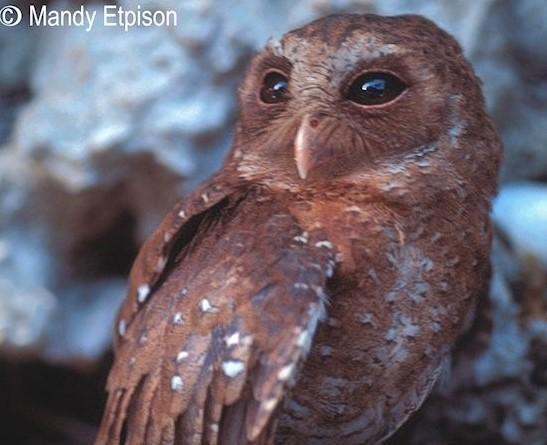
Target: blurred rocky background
102, 131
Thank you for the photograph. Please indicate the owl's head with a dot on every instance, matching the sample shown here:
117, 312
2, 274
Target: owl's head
353, 96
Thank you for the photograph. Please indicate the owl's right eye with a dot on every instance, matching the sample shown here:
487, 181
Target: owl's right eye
375, 88
275, 87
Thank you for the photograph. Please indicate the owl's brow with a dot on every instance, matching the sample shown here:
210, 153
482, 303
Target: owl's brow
367, 51
349, 53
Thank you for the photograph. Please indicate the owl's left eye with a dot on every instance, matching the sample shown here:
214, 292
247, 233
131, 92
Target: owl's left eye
275, 87
375, 89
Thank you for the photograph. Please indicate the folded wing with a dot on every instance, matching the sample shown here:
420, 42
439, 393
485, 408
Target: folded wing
208, 354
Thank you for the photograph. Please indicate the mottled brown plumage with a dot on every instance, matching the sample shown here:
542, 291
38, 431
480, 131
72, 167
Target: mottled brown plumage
311, 291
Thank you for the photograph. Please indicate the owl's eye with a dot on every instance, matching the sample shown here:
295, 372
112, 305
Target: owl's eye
375, 89
274, 88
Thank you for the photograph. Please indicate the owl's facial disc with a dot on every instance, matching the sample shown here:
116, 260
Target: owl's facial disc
347, 95
330, 110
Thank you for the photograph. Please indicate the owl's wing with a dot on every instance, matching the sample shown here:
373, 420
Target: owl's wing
156, 255
210, 354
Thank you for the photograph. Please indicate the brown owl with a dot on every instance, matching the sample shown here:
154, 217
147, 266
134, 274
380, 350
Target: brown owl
310, 292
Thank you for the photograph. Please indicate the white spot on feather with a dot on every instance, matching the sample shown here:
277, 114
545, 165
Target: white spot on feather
142, 293
181, 356
302, 238
285, 372
232, 368
206, 306
143, 339
303, 338
391, 334
356, 209
269, 404
324, 243
178, 319
232, 340
205, 198
176, 383
303, 286
182, 214
456, 130
366, 318
162, 261
122, 328
329, 271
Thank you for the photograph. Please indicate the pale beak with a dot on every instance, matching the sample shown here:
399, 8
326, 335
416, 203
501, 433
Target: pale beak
303, 147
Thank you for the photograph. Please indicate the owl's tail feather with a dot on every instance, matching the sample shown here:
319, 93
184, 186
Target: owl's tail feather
139, 427
127, 418
233, 428
115, 413
190, 425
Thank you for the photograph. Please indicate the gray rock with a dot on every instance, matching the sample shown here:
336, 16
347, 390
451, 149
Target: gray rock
520, 211
16, 56
25, 314
16, 51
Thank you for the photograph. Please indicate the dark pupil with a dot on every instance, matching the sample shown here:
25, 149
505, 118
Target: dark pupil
375, 89
274, 88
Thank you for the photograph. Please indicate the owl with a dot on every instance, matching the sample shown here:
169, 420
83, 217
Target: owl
311, 291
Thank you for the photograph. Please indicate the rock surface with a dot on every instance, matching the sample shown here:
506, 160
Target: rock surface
101, 132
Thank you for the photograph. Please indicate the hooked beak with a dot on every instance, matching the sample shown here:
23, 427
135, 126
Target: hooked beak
304, 151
